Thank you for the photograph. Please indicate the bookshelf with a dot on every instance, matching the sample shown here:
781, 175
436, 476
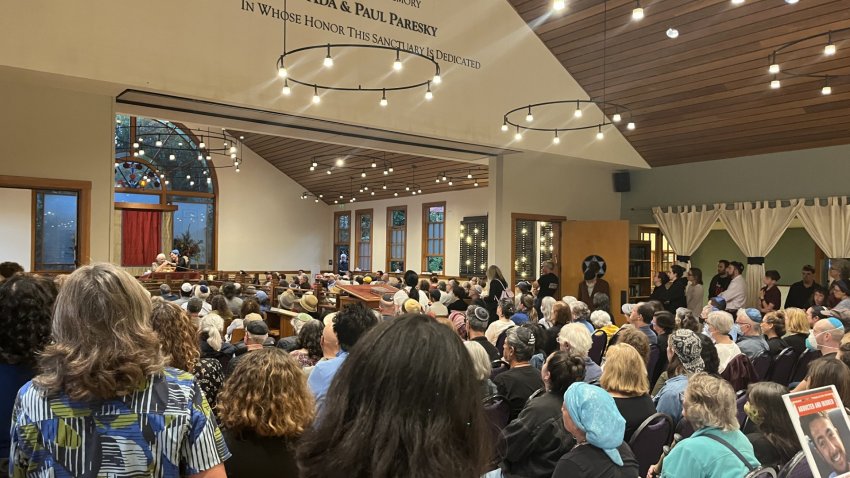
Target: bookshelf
640, 270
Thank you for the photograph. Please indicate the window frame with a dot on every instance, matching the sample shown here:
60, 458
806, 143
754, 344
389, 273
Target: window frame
338, 243
390, 228
164, 192
357, 239
426, 222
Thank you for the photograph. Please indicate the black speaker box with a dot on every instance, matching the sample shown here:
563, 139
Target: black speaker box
622, 182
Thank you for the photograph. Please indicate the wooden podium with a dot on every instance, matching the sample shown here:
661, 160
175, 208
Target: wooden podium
369, 295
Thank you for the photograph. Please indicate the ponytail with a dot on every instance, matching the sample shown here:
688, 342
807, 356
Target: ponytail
411, 279
213, 338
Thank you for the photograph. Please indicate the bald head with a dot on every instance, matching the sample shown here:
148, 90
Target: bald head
828, 333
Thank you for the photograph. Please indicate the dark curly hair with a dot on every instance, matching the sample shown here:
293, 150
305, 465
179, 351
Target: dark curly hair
310, 338
351, 322
564, 370
250, 306
8, 269
26, 310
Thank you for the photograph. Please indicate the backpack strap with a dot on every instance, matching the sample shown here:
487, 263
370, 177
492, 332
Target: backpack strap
732, 449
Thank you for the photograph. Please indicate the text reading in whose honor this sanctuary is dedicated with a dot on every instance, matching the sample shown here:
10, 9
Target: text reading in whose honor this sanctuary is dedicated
362, 10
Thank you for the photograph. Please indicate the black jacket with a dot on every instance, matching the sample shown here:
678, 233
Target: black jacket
676, 295
536, 439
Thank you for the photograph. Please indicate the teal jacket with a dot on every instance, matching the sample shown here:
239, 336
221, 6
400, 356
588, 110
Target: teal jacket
702, 457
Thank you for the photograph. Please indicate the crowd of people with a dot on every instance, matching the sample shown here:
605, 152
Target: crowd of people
98, 378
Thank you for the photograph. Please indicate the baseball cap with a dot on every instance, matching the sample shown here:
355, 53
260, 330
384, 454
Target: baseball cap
257, 327
524, 286
175, 251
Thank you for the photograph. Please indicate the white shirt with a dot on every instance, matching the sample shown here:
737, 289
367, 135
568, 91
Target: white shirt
206, 308
495, 329
736, 294
726, 352
401, 296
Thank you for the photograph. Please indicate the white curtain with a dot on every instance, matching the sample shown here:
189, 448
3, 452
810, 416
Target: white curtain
828, 225
685, 227
756, 228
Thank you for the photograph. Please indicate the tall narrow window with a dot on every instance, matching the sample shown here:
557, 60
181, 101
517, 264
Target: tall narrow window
396, 238
342, 240
55, 238
363, 248
525, 246
434, 237
473, 246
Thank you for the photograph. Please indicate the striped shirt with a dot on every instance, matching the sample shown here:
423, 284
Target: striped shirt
165, 429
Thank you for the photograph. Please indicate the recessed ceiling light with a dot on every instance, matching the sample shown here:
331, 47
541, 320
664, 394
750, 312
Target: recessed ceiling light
672, 33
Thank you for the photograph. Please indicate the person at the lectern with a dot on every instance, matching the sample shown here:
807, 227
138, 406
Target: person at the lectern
592, 284
180, 263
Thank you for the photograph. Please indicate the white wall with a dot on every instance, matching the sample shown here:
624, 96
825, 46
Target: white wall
459, 204
546, 184
16, 226
263, 224
61, 134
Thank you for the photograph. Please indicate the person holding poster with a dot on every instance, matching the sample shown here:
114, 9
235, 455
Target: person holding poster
823, 430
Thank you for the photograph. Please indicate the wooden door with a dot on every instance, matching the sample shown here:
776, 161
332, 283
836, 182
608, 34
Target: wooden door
608, 240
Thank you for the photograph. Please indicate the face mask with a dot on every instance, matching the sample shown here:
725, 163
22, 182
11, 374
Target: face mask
753, 414
811, 342
706, 332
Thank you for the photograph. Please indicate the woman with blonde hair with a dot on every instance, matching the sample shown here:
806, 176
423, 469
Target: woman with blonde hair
211, 339
796, 329
624, 378
265, 407
547, 306
481, 366
717, 447
106, 365
496, 285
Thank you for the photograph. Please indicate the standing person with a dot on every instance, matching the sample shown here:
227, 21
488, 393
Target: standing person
106, 366
26, 305
265, 408
676, 296
770, 299
592, 284
736, 294
496, 285
695, 292
720, 281
800, 294
640, 317
660, 284
421, 404
547, 284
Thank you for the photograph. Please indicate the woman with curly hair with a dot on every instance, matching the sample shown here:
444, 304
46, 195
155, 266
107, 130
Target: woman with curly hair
265, 406
26, 302
309, 350
179, 341
103, 381
220, 307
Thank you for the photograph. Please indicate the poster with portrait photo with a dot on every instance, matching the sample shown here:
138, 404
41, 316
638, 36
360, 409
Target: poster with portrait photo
823, 430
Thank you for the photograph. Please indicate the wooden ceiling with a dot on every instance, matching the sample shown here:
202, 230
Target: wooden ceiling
294, 157
705, 95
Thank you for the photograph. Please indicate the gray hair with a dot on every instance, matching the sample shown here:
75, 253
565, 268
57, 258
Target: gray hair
548, 264
600, 318
478, 319
546, 305
480, 360
580, 311
721, 321
212, 324
711, 403
522, 340
578, 337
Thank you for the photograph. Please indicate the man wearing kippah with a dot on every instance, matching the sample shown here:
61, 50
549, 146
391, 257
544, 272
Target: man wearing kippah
751, 342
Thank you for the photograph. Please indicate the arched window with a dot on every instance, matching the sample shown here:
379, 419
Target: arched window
165, 192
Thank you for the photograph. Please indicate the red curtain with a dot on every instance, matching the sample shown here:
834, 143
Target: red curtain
140, 237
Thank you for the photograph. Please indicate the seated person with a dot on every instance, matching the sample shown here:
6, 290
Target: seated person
591, 416
180, 263
709, 406
625, 379
537, 438
256, 335
521, 380
161, 264
775, 441
575, 339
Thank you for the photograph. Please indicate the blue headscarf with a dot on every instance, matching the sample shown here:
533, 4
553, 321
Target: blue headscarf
594, 412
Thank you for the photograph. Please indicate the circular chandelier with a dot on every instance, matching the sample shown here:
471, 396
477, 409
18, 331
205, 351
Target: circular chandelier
829, 50
621, 114
618, 113
360, 184
328, 62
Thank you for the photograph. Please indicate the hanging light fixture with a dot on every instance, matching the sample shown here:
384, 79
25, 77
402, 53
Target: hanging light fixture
599, 133
556, 139
829, 49
286, 91
529, 117
383, 101
518, 135
826, 90
316, 98
397, 66
832, 70
637, 12
328, 61
428, 95
578, 113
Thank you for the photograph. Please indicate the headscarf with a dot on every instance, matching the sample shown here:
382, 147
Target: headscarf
594, 412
